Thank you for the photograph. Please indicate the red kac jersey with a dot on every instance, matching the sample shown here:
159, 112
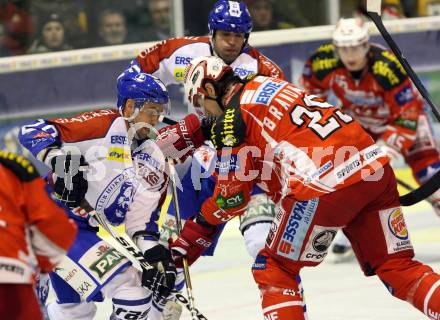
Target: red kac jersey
290, 143
383, 99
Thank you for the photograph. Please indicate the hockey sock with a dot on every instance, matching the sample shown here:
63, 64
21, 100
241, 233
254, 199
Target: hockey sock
414, 282
427, 296
282, 304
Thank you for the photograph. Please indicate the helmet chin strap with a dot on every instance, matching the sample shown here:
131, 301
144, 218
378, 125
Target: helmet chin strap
219, 101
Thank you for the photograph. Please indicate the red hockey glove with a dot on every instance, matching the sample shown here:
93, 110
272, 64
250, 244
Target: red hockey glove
193, 240
180, 140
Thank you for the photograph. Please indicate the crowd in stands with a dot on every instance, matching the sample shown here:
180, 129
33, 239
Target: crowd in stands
37, 26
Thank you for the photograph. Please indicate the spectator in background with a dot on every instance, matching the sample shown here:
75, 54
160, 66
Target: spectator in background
4, 51
112, 28
160, 14
18, 25
391, 9
51, 36
262, 15
74, 17
429, 7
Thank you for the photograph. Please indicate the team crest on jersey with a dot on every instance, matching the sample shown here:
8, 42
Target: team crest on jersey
117, 196
395, 230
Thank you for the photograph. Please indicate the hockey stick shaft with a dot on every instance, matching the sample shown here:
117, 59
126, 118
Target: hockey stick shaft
408, 187
433, 184
374, 16
136, 255
179, 229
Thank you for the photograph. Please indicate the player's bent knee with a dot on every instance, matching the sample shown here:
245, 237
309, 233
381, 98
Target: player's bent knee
414, 282
130, 299
255, 238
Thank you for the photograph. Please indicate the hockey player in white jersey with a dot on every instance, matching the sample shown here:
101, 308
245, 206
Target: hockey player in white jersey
120, 173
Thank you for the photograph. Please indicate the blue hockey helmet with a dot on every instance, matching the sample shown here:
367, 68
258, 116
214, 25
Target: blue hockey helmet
230, 16
142, 88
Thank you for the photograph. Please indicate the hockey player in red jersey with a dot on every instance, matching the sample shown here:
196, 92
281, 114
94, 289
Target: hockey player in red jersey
372, 86
322, 170
230, 25
35, 234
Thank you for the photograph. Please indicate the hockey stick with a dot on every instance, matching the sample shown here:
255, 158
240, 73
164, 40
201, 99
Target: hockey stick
433, 184
166, 120
136, 255
179, 229
408, 187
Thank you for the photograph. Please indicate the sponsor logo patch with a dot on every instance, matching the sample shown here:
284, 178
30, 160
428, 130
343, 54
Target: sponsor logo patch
102, 261
117, 139
109, 258
224, 166
395, 230
75, 277
243, 73
405, 95
233, 201
295, 229
319, 241
119, 154
260, 263
178, 73
267, 91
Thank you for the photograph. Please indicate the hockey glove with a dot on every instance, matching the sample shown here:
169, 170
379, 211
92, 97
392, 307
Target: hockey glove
193, 240
180, 140
69, 183
162, 277
391, 152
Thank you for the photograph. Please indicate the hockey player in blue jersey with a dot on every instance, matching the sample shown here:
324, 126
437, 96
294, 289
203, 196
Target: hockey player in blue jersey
120, 173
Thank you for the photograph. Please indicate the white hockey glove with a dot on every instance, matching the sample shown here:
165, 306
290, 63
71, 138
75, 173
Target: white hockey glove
392, 153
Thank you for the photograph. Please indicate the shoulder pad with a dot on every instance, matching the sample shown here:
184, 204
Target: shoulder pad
324, 61
229, 129
386, 69
19, 165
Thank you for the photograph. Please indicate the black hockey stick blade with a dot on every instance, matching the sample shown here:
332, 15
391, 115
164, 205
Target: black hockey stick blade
167, 120
423, 192
374, 16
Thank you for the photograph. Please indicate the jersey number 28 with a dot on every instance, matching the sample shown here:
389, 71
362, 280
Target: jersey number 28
310, 110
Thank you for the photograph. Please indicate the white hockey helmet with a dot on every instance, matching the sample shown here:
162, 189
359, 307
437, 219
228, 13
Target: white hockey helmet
350, 32
197, 72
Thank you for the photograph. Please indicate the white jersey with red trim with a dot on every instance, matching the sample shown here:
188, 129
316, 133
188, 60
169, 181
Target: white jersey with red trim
126, 185
167, 59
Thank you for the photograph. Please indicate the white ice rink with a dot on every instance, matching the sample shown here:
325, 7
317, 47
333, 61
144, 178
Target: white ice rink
224, 289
